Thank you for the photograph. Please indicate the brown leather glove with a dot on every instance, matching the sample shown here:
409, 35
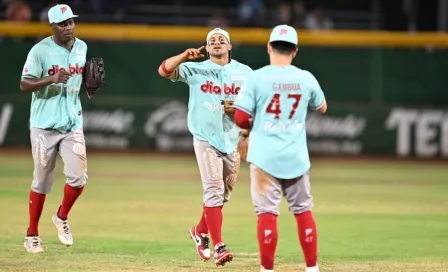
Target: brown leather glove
228, 107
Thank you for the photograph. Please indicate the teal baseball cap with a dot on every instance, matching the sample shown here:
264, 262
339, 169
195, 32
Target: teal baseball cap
60, 13
284, 33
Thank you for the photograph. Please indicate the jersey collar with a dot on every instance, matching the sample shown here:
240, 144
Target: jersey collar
230, 64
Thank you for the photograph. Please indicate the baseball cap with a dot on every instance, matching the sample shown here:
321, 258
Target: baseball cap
218, 31
60, 13
284, 33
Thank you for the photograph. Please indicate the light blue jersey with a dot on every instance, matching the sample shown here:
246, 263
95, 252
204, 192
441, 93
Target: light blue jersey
278, 98
56, 106
209, 84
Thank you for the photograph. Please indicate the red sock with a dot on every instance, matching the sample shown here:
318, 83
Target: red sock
70, 196
35, 207
308, 237
213, 218
267, 239
202, 226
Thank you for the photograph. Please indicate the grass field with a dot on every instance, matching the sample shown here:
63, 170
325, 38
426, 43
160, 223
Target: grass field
136, 211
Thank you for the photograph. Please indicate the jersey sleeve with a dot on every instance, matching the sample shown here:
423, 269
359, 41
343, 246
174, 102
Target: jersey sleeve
33, 64
245, 100
184, 73
317, 95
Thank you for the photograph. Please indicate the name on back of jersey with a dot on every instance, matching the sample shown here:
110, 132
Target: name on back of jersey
287, 87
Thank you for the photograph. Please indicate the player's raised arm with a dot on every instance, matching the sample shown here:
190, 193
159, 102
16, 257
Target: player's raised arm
168, 67
28, 84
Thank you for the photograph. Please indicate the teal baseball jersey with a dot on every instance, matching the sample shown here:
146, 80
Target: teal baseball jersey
211, 83
277, 98
56, 106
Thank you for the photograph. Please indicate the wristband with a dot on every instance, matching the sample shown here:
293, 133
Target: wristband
166, 71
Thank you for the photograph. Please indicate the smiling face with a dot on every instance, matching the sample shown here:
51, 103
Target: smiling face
218, 46
64, 31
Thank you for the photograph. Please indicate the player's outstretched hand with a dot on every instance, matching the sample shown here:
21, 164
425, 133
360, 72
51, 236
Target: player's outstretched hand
61, 77
193, 53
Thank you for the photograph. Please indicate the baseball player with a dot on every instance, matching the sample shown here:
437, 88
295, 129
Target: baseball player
212, 82
273, 105
53, 73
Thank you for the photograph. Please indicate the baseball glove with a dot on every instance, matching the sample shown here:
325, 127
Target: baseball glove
243, 144
94, 75
228, 106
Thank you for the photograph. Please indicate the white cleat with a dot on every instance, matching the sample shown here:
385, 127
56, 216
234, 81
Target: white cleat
33, 244
64, 232
312, 269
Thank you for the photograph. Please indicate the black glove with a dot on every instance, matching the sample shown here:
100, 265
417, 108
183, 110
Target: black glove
94, 75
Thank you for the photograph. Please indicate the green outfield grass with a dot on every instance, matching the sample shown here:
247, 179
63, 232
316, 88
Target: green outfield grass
135, 213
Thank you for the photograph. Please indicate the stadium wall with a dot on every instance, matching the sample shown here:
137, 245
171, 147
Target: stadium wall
386, 91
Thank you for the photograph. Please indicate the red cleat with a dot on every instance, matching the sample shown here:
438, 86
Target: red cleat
202, 243
222, 255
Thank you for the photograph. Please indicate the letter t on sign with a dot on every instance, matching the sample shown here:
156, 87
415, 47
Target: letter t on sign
402, 120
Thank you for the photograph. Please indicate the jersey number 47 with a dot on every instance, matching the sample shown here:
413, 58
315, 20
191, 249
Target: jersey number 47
274, 106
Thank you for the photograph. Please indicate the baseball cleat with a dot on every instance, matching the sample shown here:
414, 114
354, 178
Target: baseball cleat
312, 269
33, 244
222, 255
202, 244
64, 232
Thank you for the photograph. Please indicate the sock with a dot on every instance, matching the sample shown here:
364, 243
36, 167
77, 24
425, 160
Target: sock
70, 196
308, 237
267, 239
202, 226
213, 218
35, 208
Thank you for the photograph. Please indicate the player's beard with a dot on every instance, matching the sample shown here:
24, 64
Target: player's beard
68, 36
220, 54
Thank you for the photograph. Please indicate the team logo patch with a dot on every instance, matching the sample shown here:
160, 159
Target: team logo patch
40, 150
211, 88
79, 147
211, 160
73, 69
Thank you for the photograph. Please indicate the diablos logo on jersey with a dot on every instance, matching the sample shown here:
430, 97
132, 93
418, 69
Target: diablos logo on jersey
211, 88
72, 69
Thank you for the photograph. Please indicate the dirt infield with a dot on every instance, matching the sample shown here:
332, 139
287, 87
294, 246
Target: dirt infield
152, 153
